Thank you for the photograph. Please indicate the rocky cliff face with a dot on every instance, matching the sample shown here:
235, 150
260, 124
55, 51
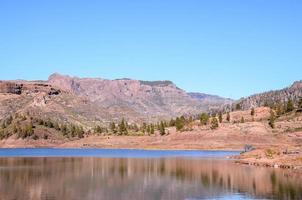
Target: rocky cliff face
147, 99
293, 92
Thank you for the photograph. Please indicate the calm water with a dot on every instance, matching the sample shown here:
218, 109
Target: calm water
137, 174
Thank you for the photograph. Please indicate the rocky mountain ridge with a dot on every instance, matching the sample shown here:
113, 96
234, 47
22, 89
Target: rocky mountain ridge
293, 93
90, 101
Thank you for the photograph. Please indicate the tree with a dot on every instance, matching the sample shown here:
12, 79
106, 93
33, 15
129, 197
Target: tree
214, 123
113, 127
253, 112
228, 117
238, 106
179, 124
204, 118
144, 127
172, 123
289, 106
152, 129
123, 127
98, 129
272, 119
64, 130
220, 117
162, 130
135, 128
300, 103
80, 132
242, 120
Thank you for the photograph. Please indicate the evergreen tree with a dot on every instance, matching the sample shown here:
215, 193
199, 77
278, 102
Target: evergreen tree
253, 112
228, 117
162, 130
149, 129
123, 127
98, 129
179, 124
204, 118
152, 129
113, 128
172, 123
80, 132
242, 120
272, 119
290, 106
220, 117
214, 123
238, 106
300, 103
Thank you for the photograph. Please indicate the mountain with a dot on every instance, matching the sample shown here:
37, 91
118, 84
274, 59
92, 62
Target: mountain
134, 98
293, 92
89, 101
212, 101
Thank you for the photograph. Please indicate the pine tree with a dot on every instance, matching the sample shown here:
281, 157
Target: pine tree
152, 129
113, 128
242, 120
228, 117
238, 106
179, 124
162, 130
220, 117
172, 123
80, 132
272, 119
290, 106
204, 118
300, 103
253, 112
214, 123
123, 127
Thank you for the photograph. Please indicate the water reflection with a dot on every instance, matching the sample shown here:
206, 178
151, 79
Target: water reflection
129, 178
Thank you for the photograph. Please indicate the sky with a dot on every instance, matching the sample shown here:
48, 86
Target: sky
231, 48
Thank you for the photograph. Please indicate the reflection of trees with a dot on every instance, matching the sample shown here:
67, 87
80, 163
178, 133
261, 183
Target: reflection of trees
121, 178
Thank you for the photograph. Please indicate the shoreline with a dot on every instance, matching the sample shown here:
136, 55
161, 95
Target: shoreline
241, 159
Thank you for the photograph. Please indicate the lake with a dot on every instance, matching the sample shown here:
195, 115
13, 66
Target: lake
138, 174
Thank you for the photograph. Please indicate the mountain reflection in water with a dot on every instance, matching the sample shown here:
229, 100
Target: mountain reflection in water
137, 178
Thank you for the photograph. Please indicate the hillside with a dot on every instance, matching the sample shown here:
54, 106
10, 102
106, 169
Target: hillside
92, 101
134, 99
272, 98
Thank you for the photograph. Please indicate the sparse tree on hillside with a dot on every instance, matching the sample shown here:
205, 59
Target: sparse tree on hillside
242, 120
272, 119
204, 118
228, 117
238, 106
172, 123
123, 127
80, 132
113, 128
220, 117
162, 130
98, 129
214, 123
148, 129
152, 129
300, 103
290, 106
253, 112
179, 124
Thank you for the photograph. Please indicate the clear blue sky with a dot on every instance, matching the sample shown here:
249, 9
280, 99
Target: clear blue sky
232, 48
